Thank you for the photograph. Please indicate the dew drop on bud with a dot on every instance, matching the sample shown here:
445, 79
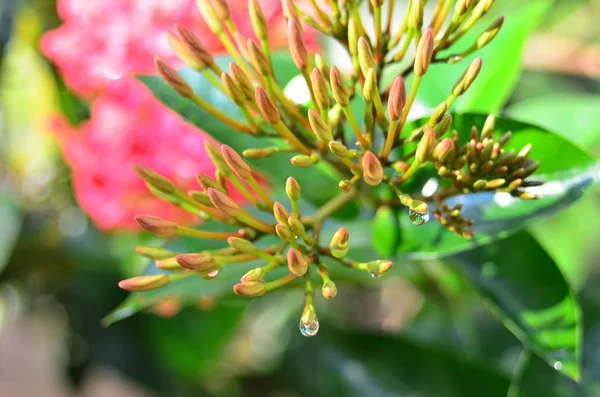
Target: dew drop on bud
375, 274
418, 218
310, 329
213, 274
455, 58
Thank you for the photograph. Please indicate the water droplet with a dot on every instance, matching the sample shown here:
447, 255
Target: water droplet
375, 274
112, 73
418, 218
212, 274
455, 58
311, 329
558, 365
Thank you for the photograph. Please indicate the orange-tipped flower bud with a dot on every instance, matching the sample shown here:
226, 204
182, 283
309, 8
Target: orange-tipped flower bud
155, 180
292, 189
250, 289
267, 107
426, 146
236, 163
338, 87
319, 126
223, 203
296, 263
297, 45
397, 99
158, 226
172, 78
144, 283
372, 169
424, 53
339, 244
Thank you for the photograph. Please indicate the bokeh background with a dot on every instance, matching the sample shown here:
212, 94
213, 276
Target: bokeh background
73, 121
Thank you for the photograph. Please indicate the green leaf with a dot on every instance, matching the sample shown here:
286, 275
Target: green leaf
522, 286
572, 115
192, 341
386, 231
10, 228
343, 363
320, 181
501, 61
566, 169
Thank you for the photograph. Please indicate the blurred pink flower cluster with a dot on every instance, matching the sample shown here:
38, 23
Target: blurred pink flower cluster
98, 49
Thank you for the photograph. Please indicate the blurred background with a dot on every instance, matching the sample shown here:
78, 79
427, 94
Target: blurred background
67, 236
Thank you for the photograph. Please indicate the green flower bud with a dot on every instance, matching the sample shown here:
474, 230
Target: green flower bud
339, 244
250, 289
338, 87
292, 189
319, 126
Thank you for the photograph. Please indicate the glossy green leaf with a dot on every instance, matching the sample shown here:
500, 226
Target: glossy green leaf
190, 342
566, 169
501, 61
572, 115
342, 363
385, 234
522, 286
321, 178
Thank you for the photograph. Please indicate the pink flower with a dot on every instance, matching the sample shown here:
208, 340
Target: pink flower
98, 49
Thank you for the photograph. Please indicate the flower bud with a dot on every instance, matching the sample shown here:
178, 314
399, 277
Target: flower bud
296, 226
144, 283
365, 56
232, 90
250, 289
243, 246
479, 185
319, 86
370, 87
415, 19
242, 81
345, 186
284, 232
319, 127
495, 183
424, 53
372, 169
488, 127
235, 162
296, 263
259, 22
461, 7
158, 226
200, 197
292, 189
442, 127
221, 9
182, 52
377, 268
289, 9
490, 33
155, 180
155, 253
207, 182
321, 65
397, 99
329, 290
266, 106
194, 46
426, 146
199, 262
217, 158
209, 15
444, 149
297, 45
340, 243
172, 78
339, 149
259, 153
338, 87
256, 274
223, 203
280, 213
258, 58
437, 114
467, 78
302, 161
